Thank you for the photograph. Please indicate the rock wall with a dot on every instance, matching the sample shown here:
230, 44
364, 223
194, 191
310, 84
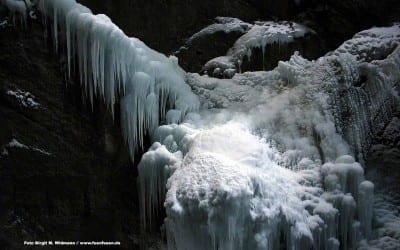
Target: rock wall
65, 173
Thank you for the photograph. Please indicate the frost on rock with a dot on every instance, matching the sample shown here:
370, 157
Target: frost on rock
367, 102
210, 42
263, 33
118, 68
221, 66
259, 36
223, 24
25, 99
372, 44
270, 162
14, 143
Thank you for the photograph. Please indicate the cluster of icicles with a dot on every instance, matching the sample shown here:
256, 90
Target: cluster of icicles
113, 65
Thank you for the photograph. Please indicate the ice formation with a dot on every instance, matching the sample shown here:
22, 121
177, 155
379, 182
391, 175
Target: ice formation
118, 68
18, 9
268, 160
387, 215
259, 36
223, 24
372, 44
367, 104
263, 33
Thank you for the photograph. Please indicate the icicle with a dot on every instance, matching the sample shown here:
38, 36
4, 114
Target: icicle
365, 207
112, 65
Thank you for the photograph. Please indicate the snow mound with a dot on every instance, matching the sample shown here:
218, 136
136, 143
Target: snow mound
243, 183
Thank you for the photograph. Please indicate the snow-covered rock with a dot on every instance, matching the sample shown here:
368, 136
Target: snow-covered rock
274, 41
14, 143
210, 42
24, 99
372, 44
223, 24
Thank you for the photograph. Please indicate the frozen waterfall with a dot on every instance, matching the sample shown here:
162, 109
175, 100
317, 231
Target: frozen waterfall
260, 161
266, 163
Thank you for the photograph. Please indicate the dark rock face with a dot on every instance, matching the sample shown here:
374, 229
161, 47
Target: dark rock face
166, 25
71, 177
193, 57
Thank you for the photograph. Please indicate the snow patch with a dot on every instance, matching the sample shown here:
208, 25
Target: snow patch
223, 24
25, 99
16, 144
